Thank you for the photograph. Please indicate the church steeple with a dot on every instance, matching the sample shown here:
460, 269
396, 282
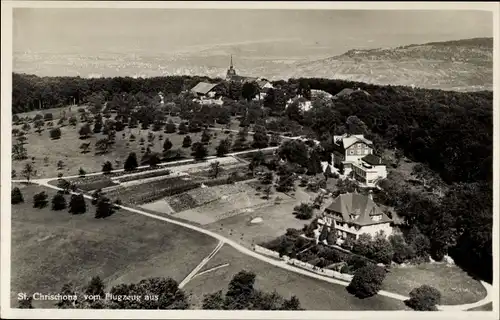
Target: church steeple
230, 72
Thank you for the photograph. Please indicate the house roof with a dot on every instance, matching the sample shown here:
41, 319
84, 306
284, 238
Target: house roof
261, 83
344, 92
243, 78
349, 91
203, 87
319, 93
373, 160
360, 205
349, 140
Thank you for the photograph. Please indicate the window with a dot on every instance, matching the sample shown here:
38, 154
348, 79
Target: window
351, 152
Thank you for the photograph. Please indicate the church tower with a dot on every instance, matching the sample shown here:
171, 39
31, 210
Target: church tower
230, 72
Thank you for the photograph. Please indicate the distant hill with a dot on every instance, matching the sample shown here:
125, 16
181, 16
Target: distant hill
462, 65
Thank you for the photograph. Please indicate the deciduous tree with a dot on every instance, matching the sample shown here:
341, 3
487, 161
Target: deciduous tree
367, 281
28, 171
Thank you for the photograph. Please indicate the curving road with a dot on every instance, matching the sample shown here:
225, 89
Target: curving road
277, 263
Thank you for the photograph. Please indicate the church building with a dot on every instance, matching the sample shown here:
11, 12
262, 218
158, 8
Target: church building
232, 76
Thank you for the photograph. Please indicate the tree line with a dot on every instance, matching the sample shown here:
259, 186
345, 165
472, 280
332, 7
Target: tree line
164, 293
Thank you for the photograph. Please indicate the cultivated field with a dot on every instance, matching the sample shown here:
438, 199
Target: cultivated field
455, 285
208, 205
312, 293
51, 248
48, 152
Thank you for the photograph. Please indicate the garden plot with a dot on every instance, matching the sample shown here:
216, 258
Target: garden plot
209, 204
222, 208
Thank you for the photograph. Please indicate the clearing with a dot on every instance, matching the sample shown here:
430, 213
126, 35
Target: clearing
51, 248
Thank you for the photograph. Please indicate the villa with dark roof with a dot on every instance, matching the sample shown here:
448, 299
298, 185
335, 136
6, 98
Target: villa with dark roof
352, 214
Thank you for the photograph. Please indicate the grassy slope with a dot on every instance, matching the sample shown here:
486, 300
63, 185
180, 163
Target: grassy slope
50, 248
455, 285
312, 293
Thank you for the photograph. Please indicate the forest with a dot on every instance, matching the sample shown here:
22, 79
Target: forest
450, 132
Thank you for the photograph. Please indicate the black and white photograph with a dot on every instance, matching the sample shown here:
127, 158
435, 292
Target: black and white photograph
226, 158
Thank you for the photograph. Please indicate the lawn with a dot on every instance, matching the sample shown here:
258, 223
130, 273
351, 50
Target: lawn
51, 248
48, 152
455, 285
313, 294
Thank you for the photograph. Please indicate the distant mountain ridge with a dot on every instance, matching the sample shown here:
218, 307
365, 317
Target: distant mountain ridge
462, 65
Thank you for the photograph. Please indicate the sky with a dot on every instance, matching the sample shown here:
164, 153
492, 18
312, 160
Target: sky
95, 31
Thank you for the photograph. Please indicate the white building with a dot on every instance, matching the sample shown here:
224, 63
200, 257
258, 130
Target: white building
369, 170
304, 105
353, 214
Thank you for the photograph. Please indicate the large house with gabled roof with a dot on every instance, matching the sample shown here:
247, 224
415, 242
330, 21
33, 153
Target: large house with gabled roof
352, 214
349, 149
205, 93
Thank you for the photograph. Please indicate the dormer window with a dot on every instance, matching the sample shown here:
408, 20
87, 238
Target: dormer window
377, 217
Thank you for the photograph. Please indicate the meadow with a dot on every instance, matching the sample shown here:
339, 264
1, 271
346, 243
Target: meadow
51, 248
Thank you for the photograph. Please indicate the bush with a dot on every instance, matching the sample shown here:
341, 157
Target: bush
55, 133
16, 196
424, 298
367, 281
107, 167
48, 117
356, 262
81, 172
170, 127
186, 143
303, 211
40, 200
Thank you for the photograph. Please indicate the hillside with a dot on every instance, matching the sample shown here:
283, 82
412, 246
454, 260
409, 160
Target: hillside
462, 65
